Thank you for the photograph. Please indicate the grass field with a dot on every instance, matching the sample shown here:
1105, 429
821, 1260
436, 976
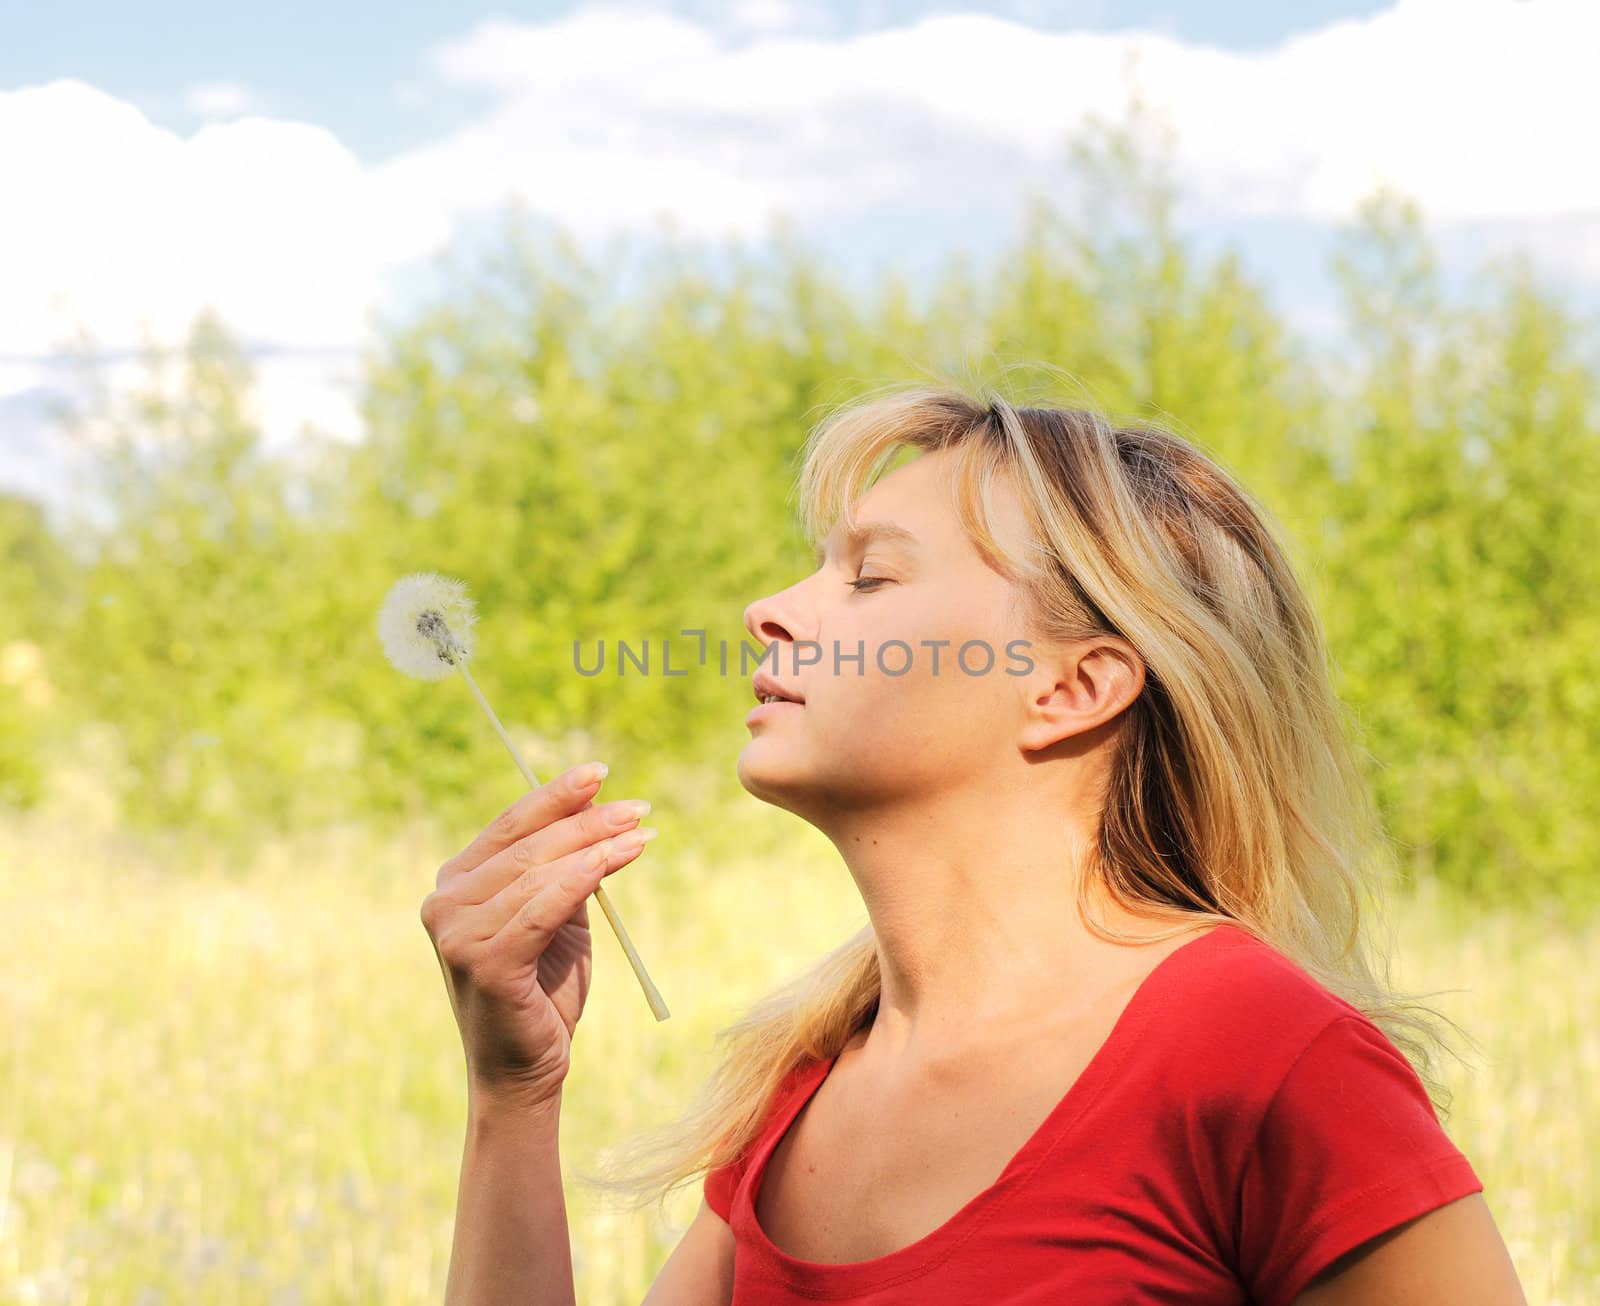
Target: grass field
225, 1083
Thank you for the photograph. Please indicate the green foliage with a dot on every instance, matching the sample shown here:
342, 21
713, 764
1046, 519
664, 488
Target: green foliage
202, 630
1460, 566
34, 575
618, 468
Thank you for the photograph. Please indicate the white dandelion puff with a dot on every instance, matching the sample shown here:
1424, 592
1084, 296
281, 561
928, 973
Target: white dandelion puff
425, 626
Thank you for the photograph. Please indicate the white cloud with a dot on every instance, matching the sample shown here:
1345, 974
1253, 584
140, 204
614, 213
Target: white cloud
316, 391
126, 227
770, 15
610, 116
221, 99
126, 230
1475, 107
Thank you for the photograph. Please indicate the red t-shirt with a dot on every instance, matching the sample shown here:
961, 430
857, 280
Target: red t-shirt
1240, 1128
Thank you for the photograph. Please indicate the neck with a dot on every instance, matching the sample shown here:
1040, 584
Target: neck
973, 900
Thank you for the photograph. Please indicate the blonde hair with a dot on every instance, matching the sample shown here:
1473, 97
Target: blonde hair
1234, 794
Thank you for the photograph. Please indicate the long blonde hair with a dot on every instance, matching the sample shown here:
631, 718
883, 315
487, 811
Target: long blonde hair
1235, 794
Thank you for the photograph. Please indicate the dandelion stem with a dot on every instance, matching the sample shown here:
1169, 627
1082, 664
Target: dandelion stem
658, 1006
516, 756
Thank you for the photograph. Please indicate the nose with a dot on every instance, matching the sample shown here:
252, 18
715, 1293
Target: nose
772, 618
759, 622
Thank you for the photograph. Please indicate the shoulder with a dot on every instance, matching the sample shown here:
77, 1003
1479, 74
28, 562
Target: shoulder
1237, 1015
1348, 1148
1245, 988
722, 1183
1307, 1128
1236, 956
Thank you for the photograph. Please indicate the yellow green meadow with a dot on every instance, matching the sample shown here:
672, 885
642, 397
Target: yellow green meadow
243, 1084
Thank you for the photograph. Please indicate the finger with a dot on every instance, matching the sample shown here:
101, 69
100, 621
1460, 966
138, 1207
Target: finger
570, 834
531, 910
599, 858
539, 806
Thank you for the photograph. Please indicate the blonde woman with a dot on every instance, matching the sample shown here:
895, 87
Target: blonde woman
1117, 1031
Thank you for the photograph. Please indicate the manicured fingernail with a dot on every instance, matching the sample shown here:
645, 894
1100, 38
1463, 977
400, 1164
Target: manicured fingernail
627, 813
591, 774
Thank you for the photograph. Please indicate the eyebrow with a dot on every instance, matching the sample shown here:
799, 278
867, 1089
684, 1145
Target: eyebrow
864, 532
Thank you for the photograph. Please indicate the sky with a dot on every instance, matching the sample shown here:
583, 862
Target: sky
297, 167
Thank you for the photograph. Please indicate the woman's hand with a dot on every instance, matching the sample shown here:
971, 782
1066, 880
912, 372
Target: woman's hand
509, 920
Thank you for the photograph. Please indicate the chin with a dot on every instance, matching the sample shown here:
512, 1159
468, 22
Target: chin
768, 779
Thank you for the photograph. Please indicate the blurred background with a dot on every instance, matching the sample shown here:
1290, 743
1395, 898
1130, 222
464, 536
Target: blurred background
297, 299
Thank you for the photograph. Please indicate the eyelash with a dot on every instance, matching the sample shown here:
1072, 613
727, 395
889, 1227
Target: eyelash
865, 581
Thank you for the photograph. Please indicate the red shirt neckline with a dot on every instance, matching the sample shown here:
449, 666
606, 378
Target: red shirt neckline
822, 1279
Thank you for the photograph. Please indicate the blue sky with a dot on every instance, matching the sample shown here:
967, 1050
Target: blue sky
296, 167
343, 65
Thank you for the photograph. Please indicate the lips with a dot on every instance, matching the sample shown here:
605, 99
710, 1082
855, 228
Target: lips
763, 685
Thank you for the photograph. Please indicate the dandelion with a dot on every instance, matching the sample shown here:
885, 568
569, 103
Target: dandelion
425, 626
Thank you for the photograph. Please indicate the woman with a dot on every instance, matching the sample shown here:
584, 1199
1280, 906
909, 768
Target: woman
1114, 1032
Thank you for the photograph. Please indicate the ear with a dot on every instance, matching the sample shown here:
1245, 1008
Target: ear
1083, 686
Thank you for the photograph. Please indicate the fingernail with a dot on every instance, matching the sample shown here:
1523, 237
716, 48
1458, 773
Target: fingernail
634, 838
627, 813
589, 774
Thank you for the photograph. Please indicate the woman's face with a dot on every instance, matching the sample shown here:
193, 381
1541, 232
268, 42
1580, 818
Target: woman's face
904, 720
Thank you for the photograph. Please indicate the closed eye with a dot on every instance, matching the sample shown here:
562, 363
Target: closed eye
867, 583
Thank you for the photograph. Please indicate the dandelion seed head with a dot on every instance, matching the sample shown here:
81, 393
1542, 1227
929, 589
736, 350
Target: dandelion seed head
425, 625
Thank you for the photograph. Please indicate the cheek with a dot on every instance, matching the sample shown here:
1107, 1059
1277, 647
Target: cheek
921, 689
912, 659
966, 691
